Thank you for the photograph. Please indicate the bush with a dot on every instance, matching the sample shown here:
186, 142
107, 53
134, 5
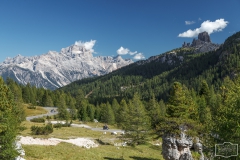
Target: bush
31, 107
38, 120
57, 125
60, 125
36, 130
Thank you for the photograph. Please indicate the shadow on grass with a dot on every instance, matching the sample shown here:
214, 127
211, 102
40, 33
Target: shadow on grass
133, 157
109, 158
142, 158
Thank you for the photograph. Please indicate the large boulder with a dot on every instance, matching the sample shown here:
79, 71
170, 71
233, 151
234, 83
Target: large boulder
178, 147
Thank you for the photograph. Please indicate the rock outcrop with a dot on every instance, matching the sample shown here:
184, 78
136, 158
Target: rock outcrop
179, 148
204, 37
202, 44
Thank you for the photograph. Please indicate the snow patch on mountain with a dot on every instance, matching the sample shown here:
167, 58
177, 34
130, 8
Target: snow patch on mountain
56, 69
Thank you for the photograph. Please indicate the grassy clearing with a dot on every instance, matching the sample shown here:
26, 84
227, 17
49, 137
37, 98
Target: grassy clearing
33, 112
65, 151
64, 132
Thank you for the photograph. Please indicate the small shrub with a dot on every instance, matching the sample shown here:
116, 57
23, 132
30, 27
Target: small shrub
31, 107
36, 130
60, 125
57, 125
38, 120
22, 128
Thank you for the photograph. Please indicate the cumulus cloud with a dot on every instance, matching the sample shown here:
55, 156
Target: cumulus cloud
87, 45
139, 56
207, 26
123, 51
132, 53
189, 22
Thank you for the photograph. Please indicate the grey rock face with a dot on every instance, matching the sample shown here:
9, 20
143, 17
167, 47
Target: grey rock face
179, 148
202, 44
56, 69
204, 37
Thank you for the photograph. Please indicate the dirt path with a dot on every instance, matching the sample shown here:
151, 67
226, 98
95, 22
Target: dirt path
51, 111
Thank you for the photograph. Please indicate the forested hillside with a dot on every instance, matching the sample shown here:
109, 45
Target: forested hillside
158, 73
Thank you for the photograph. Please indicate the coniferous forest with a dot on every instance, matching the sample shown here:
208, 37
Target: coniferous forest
202, 92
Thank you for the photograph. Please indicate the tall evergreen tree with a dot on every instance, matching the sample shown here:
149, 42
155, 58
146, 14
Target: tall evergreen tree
137, 123
10, 118
62, 108
154, 111
122, 113
107, 115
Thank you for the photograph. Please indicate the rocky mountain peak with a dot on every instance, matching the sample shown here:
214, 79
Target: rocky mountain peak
202, 44
56, 69
204, 37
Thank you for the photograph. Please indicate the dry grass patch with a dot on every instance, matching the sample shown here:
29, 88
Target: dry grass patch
33, 112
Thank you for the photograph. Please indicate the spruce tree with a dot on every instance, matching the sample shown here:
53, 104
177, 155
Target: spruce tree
10, 120
154, 111
121, 113
137, 122
62, 108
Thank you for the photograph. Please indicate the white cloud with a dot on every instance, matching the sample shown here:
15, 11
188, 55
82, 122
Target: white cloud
199, 19
189, 22
207, 26
87, 45
123, 51
139, 56
132, 53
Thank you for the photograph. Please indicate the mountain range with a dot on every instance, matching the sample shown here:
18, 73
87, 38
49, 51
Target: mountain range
56, 69
189, 65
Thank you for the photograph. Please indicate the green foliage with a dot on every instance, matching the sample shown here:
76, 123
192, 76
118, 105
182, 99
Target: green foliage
137, 122
36, 130
227, 118
10, 118
38, 120
60, 125
122, 114
31, 107
62, 108
107, 115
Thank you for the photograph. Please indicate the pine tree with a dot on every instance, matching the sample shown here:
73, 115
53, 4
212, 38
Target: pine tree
122, 113
10, 118
47, 100
154, 111
72, 109
137, 123
90, 112
204, 91
107, 115
62, 108
97, 112
82, 110
162, 107
115, 106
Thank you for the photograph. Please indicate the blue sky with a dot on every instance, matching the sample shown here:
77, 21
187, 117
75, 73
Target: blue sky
150, 27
